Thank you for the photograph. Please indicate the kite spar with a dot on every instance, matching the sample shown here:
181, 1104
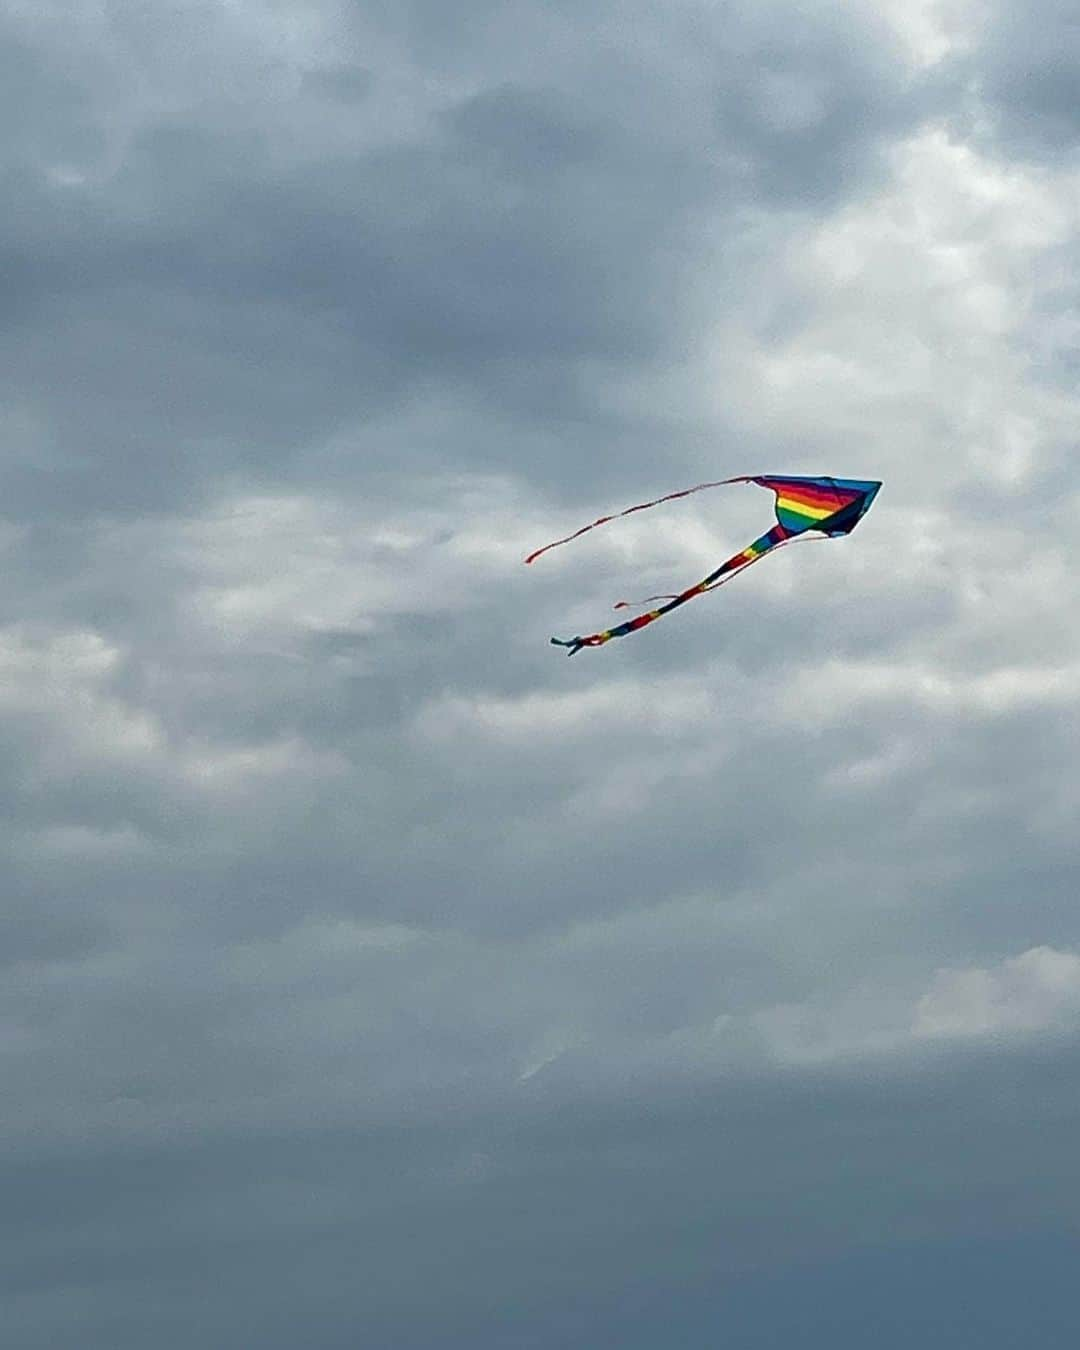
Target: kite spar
827, 507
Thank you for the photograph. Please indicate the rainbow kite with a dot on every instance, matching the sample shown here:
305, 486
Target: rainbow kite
828, 507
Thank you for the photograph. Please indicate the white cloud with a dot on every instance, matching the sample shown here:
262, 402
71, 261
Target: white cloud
911, 359
61, 684
274, 566
662, 707
1037, 991
1034, 991
836, 690
931, 30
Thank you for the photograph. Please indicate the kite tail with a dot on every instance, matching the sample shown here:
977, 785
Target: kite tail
739, 562
576, 644
642, 506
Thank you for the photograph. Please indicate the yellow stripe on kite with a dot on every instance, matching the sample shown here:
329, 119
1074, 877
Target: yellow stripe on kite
803, 508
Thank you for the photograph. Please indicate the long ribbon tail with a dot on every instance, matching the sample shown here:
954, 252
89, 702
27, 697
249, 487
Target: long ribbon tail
738, 562
727, 576
642, 506
800, 538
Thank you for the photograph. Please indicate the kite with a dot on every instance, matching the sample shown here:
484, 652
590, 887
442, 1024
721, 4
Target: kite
826, 507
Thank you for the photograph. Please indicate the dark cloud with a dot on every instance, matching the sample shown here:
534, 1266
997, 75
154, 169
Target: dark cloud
553, 1226
1023, 71
236, 291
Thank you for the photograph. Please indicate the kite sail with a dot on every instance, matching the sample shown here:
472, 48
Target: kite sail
827, 507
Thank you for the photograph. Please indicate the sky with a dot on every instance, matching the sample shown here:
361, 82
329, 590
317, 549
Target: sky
372, 975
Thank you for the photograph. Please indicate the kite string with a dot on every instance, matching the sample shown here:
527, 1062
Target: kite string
642, 506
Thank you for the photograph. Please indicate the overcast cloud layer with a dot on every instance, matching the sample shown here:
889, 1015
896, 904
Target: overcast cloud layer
371, 975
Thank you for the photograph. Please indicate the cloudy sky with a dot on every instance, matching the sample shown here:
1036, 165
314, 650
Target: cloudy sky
371, 975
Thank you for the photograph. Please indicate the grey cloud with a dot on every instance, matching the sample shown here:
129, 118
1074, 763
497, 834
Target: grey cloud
342, 83
212, 308
1024, 73
811, 105
551, 1227
370, 972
